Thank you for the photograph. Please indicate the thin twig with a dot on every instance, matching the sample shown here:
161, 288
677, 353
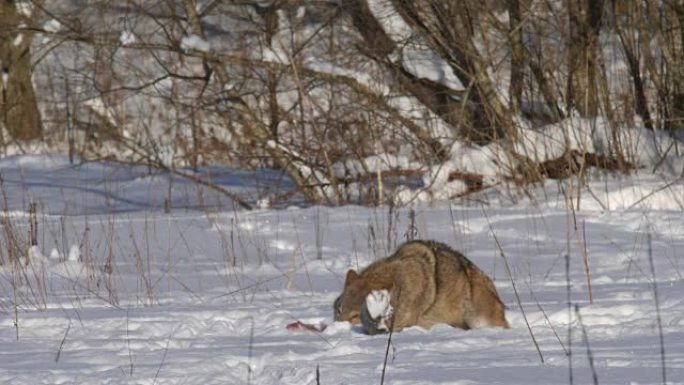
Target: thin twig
61, 345
657, 306
546, 317
515, 290
16, 306
384, 364
128, 345
568, 290
166, 351
249, 352
581, 244
585, 259
590, 355
655, 191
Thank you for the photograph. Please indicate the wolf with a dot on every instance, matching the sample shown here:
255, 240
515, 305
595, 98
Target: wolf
422, 284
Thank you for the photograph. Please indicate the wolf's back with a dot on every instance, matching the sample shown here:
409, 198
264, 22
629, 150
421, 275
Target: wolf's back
426, 283
464, 296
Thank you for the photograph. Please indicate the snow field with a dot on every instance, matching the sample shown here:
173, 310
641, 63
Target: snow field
203, 297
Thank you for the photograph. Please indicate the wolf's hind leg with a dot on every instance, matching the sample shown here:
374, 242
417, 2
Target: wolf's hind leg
487, 308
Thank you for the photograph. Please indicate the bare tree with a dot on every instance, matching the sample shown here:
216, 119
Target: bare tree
322, 92
585, 18
515, 10
18, 105
447, 29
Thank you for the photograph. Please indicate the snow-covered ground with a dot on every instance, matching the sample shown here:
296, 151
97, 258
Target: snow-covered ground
117, 291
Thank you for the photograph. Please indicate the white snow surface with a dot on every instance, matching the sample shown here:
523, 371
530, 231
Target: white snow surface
18, 39
194, 42
203, 295
128, 37
52, 26
373, 164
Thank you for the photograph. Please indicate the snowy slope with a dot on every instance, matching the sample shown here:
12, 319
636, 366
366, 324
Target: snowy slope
117, 292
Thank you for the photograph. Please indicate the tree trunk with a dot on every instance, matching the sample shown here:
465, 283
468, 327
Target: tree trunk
269, 15
18, 105
630, 48
438, 98
583, 54
515, 89
677, 121
448, 29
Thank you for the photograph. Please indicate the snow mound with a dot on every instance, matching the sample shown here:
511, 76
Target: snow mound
373, 164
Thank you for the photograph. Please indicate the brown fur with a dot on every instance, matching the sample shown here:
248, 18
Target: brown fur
428, 283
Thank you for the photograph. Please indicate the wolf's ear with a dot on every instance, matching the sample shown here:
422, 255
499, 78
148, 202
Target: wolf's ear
351, 277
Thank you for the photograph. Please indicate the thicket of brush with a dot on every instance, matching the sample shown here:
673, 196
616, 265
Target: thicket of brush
316, 88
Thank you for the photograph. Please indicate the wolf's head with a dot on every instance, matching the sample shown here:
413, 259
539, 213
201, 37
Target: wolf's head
347, 306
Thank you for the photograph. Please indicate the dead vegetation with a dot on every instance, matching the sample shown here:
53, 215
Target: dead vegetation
307, 87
